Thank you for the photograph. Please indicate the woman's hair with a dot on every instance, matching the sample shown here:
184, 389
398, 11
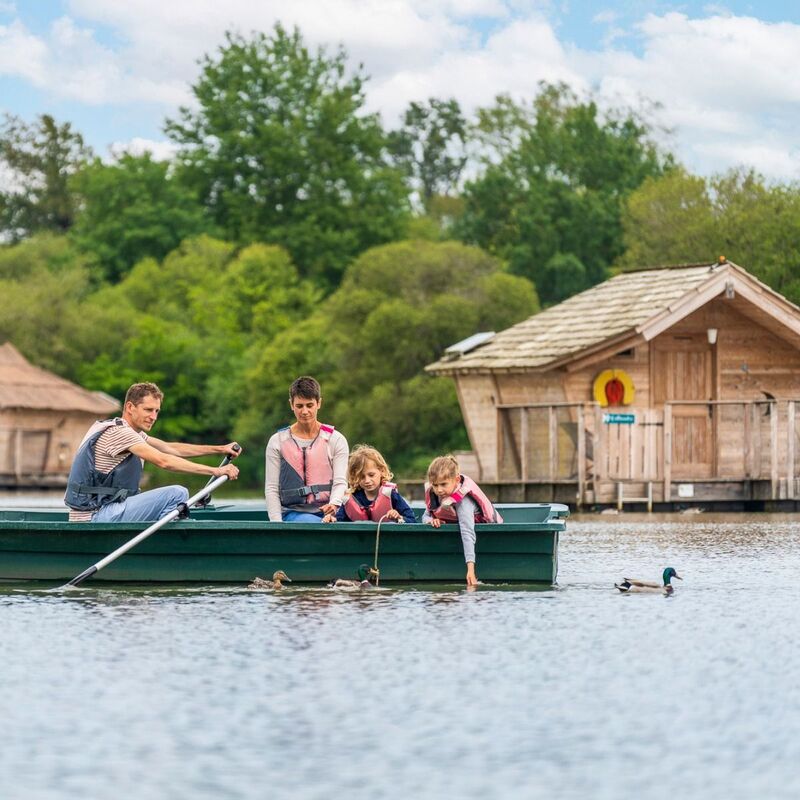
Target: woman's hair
443, 467
359, 456
305, 387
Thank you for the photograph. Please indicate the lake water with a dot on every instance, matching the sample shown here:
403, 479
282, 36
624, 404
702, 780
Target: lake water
573, 692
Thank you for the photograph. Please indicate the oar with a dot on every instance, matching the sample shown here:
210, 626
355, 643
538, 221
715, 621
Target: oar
104, 562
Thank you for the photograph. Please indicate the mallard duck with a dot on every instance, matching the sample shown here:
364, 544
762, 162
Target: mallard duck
365, 572
632, 585
275, 583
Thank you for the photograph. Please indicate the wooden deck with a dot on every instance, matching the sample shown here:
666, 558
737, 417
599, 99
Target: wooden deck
723, 452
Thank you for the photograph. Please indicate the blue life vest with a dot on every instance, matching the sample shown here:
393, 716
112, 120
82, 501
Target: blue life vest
88, 489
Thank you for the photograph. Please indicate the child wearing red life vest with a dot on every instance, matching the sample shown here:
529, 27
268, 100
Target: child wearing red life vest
453, 497
371, 495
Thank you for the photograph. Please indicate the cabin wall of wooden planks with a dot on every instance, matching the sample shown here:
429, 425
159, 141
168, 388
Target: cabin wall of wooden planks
37, 447
725, 408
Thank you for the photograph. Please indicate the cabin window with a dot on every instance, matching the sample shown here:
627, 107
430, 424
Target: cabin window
629, 353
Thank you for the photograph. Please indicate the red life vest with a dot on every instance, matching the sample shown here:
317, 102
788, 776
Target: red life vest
445, 510
377, 509
306, 472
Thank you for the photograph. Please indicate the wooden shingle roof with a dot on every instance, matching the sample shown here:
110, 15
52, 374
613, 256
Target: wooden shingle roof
631, 305
22, 385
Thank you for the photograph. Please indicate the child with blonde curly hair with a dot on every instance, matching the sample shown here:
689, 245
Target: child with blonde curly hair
371, 494
453, 497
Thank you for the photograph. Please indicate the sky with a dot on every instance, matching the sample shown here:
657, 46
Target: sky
724, 75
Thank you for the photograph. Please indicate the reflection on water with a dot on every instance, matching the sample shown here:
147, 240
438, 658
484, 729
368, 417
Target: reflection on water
572, 692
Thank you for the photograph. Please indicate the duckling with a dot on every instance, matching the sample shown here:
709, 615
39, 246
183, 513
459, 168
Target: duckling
632, 585
275, 583
365, 572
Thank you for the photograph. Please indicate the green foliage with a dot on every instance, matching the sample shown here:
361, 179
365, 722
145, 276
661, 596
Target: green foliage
430, 148
681, 218
45, 285
279, 149
39, 158
132, 209
398, 307
556, 175
562, 277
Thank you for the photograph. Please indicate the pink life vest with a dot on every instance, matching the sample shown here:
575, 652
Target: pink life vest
379, 507
445, 510
306, 472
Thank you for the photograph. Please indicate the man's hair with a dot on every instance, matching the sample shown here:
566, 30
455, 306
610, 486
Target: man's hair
358, 463
443, 467
306, 387
139, 391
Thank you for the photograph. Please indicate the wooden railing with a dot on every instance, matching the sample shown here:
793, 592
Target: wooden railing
718, 440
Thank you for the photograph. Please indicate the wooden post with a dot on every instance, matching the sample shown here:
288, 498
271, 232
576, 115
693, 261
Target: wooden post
18, 454
773, 448
553, 441
790, 426
581, 455
755, 430
667, 452
499, 443
748, 450
523, 450
599, 445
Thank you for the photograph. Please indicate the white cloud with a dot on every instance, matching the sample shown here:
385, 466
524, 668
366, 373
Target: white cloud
728, 83
159, 150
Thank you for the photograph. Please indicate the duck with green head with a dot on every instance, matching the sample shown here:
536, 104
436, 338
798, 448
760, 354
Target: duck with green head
365, 572
276, 583
635, 586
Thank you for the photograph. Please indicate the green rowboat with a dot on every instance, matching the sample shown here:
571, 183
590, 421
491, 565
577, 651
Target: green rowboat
233, 544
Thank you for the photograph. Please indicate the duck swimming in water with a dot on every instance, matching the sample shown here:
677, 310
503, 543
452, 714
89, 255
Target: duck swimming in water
275, 583
365, 572
635, 586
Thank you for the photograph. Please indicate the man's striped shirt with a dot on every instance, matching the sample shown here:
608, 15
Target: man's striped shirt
110, 449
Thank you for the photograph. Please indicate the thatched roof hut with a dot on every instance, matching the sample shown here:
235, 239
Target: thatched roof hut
42, 420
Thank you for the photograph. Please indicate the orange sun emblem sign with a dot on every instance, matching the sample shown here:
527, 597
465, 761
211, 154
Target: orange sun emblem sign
613, 387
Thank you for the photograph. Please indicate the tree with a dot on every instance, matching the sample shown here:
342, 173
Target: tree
280, 150
398, 307
39, 159
681, 218
133, 209
430, 148
555, 178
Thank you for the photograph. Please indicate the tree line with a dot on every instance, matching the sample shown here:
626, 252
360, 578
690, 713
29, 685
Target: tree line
294, 233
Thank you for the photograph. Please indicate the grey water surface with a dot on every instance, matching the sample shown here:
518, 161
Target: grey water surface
503, 692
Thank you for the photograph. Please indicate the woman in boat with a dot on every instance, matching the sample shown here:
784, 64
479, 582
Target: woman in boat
453, 497
306, 462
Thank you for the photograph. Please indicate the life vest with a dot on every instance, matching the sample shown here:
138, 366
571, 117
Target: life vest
377, 509
445, 509
306, 475
88, 489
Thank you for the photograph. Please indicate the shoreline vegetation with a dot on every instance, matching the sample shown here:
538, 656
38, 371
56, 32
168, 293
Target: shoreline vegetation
294, 233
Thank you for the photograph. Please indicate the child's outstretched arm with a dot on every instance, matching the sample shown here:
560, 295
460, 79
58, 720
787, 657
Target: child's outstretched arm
466, 524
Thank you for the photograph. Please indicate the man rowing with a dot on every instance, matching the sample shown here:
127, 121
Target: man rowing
103, 483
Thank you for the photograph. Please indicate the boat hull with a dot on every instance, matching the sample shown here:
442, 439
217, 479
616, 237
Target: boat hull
237, 546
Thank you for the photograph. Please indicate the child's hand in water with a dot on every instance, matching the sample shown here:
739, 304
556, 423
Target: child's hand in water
435, 521
472, 579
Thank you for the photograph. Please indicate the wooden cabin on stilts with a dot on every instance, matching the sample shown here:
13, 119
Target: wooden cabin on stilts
43, 419
667, 387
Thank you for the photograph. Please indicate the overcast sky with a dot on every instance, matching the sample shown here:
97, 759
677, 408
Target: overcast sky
726, 75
